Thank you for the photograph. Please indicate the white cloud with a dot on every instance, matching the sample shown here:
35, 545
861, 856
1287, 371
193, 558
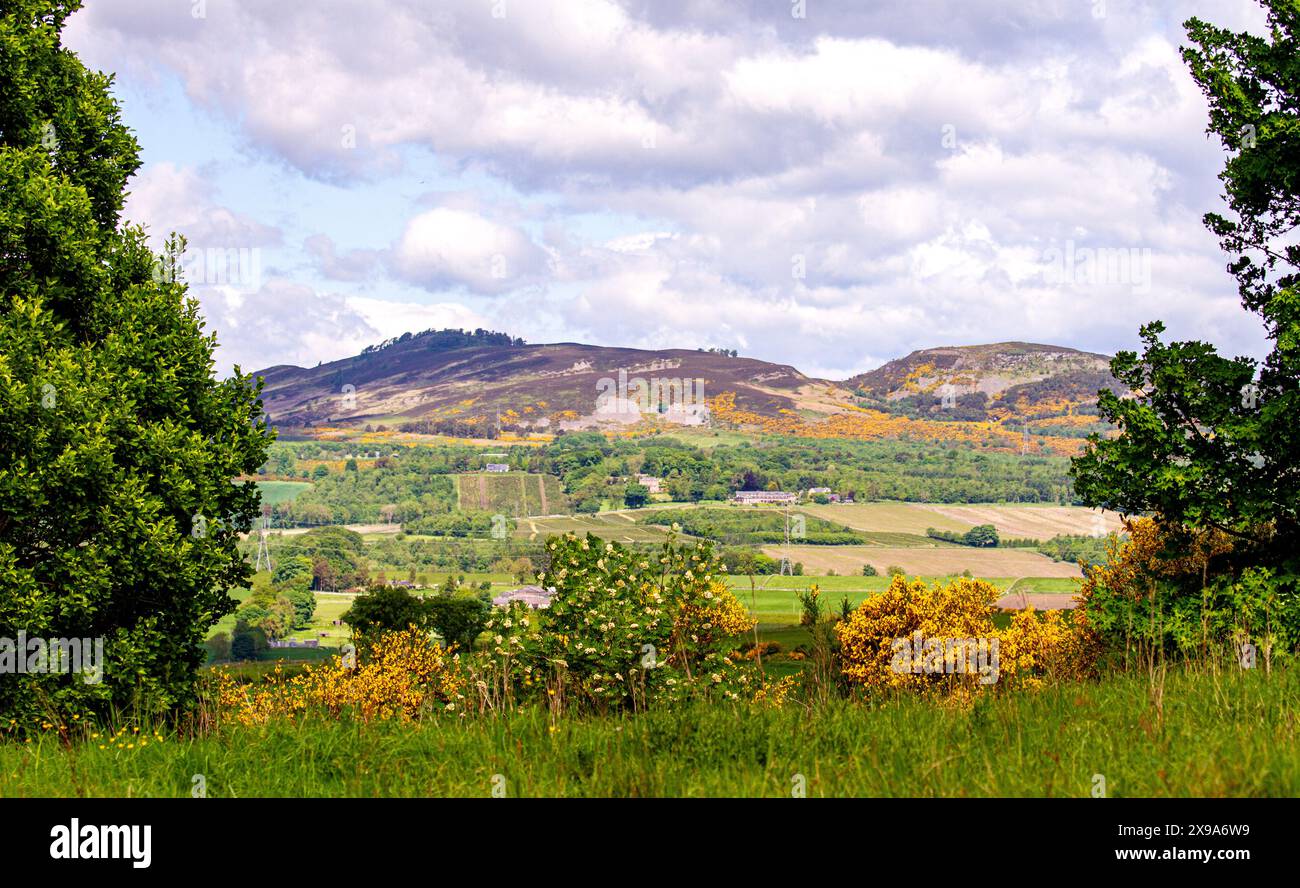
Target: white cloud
916, 160
165, 198
445, 247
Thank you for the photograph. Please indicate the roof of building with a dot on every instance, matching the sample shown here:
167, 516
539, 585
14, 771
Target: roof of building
533, 596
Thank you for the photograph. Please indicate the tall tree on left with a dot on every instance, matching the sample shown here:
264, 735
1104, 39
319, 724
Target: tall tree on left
118, 445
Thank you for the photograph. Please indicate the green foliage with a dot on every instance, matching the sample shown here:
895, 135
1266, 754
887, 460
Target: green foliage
422, 481
457, 618
218, 647
338, 556
812, 610
304, 607
482, 525
623, 629
636, 495
447, 340
982, 536
1178, 618
384, 609
246, 642
748, 562
752, 527
418, 483
291, 568
118, 518
869, 570
1074, 549
1211, 442
463, 554
865, 470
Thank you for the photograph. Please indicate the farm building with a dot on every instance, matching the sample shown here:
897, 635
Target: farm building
497, 467
765, 496
650, 483
534, 596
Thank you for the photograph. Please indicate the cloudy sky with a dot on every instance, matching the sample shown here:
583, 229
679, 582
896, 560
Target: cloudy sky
825, 183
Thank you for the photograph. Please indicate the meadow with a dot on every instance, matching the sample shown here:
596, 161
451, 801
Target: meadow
275, 493
1213, 734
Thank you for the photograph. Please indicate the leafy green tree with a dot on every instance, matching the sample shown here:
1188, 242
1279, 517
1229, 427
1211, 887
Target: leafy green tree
458, 619
290, 568
338, 556
1212, 442
636, 495
984, 535
218, 647
118, 518
246, 642
304, 607
385, 608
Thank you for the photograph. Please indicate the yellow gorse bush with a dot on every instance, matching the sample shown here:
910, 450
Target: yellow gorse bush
1028, 651
719, 615
962, 609
1035, 648
404, 676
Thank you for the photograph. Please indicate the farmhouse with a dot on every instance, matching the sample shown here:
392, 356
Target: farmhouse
534, 596
650, 483
497, 467
765, 496
813, 491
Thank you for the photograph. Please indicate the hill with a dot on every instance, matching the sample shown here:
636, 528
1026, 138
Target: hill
485, 385
1039, 384
480, 385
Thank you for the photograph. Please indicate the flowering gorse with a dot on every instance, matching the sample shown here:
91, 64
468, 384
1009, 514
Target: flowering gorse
404, 676
1031, 649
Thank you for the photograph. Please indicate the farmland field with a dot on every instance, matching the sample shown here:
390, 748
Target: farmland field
1012, 521
926, 562
511, 493
617, 526
1032, 521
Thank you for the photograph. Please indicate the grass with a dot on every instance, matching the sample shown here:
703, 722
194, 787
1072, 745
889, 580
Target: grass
1049, 585
276, 493
1227, 734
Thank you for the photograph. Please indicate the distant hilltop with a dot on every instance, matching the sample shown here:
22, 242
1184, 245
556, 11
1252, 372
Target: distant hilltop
483, 384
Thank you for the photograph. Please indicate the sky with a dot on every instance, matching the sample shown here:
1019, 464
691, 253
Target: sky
829, 184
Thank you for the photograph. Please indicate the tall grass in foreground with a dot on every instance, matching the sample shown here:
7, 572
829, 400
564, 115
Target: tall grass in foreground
1231, 733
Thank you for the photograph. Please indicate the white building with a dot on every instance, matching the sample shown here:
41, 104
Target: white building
534, 596
650, 483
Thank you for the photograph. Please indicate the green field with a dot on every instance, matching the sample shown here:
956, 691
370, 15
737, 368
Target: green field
1215, 734
276, 492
